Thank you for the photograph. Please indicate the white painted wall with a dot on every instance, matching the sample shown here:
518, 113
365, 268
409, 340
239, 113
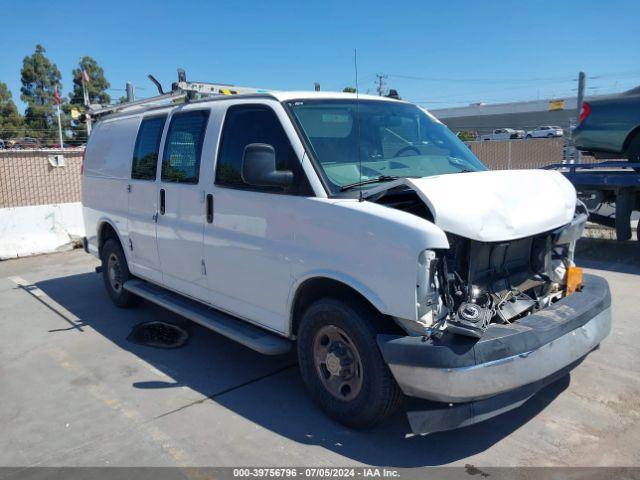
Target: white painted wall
39, 229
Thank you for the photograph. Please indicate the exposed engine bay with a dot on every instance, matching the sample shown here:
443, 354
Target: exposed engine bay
475, 284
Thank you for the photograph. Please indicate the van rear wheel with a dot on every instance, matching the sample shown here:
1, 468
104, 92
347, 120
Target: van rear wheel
342, 366
114, 273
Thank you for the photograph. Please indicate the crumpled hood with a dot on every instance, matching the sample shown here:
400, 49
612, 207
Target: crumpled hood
494, 206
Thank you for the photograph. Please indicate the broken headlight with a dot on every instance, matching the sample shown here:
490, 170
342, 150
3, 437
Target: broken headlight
430, 309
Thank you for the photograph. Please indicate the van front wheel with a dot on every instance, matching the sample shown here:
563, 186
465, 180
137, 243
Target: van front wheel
114, 273
342, 366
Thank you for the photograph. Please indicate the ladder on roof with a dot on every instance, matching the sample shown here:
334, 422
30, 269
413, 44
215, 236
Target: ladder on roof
180, 90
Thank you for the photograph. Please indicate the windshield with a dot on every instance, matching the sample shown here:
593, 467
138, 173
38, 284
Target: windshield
393, 140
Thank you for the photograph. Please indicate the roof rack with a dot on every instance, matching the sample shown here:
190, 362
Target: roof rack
180, 90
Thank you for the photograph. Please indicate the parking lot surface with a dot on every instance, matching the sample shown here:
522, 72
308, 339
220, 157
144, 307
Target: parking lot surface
77, 392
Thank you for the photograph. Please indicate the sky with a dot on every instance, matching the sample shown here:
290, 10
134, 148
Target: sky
437, 53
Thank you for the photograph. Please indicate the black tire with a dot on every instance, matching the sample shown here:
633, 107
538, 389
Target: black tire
529, 136
379, 395
114, 273
625, 199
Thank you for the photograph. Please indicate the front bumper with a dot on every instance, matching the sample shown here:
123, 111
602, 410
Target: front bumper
456, 369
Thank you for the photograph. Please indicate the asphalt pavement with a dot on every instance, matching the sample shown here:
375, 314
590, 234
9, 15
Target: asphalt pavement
74, 391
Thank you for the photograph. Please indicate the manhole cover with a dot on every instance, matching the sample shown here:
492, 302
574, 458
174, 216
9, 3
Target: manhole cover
158, 334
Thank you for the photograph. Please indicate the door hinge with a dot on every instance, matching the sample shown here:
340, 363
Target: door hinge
204, 267
129, 188
130, 245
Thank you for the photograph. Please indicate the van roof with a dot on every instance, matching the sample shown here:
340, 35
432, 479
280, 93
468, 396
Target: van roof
281, 96
306, 95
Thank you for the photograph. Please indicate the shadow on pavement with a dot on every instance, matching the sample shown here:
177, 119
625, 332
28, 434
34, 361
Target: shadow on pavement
609, 255
225, 372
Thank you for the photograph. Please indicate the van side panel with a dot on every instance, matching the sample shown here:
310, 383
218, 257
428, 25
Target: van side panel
110, 150
107, 172
369, 247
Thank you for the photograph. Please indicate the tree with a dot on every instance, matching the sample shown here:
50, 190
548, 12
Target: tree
96, 87
467, 136
349, 90
40, 78
11, 122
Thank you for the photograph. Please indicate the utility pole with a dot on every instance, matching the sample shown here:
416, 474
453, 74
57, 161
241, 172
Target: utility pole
581, 82
59, 124
581, 86
84, 77
131, 96
382, 84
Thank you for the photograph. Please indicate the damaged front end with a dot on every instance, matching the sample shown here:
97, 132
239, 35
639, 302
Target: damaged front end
511, 237
504, 310
474, 284
481, 283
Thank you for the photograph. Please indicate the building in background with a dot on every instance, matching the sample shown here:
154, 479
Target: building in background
484, 118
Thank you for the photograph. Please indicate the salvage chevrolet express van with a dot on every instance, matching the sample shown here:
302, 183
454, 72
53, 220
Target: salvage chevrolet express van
359, 231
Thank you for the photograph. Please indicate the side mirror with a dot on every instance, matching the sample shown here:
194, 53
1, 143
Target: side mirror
259, 167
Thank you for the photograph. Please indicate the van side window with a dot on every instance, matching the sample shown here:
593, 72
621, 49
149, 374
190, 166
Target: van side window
245, 124
183, 147
145, 155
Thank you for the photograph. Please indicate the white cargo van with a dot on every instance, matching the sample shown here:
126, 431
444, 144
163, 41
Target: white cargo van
359, 230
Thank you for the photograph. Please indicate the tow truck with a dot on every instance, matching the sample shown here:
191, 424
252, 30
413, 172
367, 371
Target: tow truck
614, 183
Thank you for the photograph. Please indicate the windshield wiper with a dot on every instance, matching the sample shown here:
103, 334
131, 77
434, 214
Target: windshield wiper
381, 178
464, 170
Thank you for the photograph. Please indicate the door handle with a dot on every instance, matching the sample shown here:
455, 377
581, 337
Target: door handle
209, 208
162, 201
155, 217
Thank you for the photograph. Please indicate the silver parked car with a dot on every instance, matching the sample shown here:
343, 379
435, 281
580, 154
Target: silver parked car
545, 131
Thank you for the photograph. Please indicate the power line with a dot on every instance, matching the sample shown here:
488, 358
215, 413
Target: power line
124, 89
490, 81
478, 80
467, 98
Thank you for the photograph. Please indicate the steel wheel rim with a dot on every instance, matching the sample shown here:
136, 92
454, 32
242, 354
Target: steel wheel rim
114, 272
337, 363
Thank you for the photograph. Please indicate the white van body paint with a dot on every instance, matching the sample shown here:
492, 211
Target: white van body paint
370, 247
262, 247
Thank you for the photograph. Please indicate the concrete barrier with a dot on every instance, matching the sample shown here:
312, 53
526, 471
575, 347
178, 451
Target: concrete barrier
40, 210
39, 229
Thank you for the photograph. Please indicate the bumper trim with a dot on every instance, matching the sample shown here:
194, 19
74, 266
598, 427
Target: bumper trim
427, 417
487, 379
453, 370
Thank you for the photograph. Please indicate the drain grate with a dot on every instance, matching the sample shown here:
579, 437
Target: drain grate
158, 334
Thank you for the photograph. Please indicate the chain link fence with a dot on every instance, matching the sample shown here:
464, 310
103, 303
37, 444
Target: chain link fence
37, 177
29, 177
524, 154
